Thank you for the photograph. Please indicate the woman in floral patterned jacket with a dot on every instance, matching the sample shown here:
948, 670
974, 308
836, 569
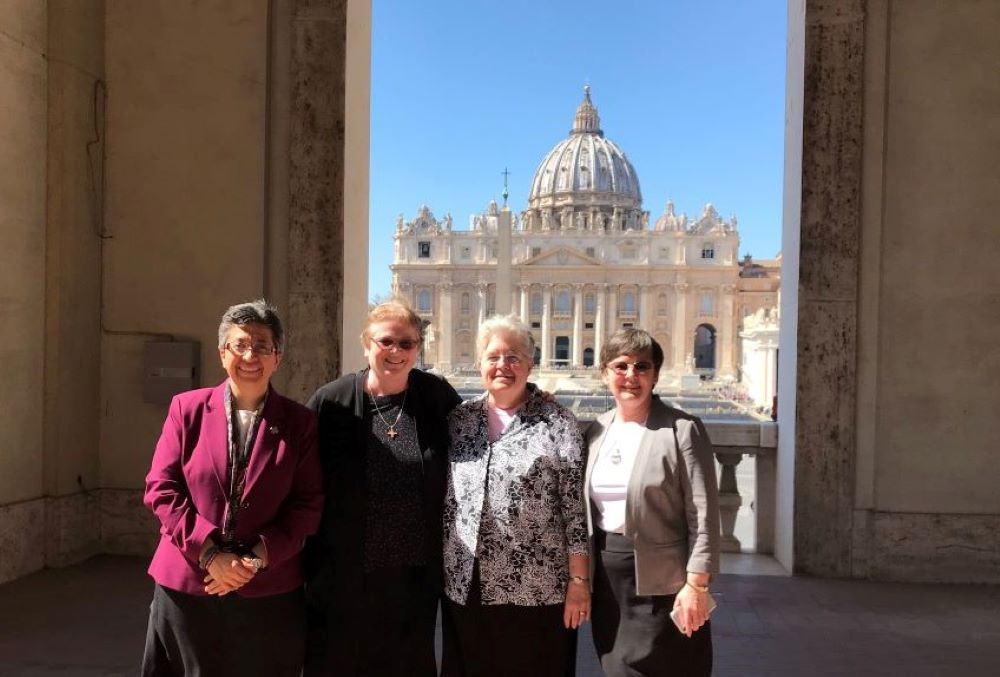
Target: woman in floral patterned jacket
515, 535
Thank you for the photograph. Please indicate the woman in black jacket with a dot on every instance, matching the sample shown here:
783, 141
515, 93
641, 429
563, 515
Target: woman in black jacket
373, 570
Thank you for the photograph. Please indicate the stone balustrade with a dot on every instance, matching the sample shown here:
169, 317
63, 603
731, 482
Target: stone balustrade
732, 441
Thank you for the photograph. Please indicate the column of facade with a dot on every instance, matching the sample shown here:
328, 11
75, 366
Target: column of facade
612, 300
646, 319
727, 344
577, 355
683, 343
481, 290
598, 322
445, 327
405, 292
525, 302
546, 325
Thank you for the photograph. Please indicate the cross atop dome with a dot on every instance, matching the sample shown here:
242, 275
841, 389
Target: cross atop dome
586, 120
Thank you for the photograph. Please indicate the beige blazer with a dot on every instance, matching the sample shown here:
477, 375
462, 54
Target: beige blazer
672, 499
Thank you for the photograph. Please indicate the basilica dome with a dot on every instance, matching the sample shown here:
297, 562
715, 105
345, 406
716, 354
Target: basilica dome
585, 169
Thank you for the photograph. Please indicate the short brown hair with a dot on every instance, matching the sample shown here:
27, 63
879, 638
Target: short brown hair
631, 341
395, 309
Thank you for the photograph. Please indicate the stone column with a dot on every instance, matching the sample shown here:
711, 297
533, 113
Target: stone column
577, 355
612, 293
316, 132
481, 289
679, 332
546, 325
525, 302
599, 322
445, 326
728, 342
646, 297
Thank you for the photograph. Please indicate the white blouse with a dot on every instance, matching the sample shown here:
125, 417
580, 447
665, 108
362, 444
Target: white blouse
611, 472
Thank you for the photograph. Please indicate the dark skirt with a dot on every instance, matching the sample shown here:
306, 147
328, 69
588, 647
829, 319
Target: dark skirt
634, 635
380, 623
502, 640
208, 635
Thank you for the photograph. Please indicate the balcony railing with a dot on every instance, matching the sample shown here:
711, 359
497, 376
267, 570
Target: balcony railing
732, 441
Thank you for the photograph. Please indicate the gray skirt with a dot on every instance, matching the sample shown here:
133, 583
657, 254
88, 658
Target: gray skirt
209, 636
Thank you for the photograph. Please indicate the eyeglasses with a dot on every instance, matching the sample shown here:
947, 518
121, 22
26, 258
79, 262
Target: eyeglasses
622, 368
404, 344
511, 359
241, 348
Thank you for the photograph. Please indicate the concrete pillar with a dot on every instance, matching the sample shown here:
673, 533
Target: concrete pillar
577, 354
503, 283
525, 302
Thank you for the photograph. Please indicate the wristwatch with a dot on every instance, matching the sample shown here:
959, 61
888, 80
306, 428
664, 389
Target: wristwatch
256, 563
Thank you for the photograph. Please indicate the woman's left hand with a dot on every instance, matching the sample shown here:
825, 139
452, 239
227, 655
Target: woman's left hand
577, 607
692, 607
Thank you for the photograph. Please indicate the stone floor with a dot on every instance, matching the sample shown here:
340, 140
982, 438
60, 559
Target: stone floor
89, 619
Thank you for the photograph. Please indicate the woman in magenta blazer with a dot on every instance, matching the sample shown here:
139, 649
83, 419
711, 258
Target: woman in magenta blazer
235, 483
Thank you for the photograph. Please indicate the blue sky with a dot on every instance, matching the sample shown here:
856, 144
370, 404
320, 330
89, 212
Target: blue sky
693, 92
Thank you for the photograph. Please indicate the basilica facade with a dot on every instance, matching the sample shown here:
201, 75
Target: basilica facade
581, 261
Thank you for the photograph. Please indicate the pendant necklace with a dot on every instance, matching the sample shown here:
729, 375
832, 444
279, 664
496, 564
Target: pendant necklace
391, 427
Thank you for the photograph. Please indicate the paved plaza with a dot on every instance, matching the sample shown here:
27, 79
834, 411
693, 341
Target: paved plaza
89, 620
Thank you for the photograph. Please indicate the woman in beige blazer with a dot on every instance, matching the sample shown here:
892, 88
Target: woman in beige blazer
653, 514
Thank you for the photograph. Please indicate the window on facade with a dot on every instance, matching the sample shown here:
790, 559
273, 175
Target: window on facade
589, 304
466, 253
465, 303
536, 303
708, 250
706, 305
627, 325
424, 250
424, 301
588, 325
591, 252
563, 306
661, 304
628, 302
536, 251
536, 325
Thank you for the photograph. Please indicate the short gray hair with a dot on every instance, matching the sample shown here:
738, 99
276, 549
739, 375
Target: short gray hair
252, 312
512, 326
632, 341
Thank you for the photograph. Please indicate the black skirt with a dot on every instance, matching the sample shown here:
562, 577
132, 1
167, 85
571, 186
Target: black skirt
504, 640
379, 623
208, 635
633, 634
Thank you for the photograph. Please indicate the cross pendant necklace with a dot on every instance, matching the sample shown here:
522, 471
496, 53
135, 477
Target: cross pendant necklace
391, 427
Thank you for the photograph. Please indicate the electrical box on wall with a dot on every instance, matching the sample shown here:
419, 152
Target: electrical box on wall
169, 367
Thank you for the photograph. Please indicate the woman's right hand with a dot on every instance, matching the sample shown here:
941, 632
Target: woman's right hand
226, 573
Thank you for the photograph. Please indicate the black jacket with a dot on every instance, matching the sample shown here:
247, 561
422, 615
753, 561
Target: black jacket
337, 549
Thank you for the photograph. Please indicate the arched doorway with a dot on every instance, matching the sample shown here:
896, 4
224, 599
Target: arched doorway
704, 347
588, 357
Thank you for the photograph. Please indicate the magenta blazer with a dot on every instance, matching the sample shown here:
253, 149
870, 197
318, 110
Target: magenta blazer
185, 489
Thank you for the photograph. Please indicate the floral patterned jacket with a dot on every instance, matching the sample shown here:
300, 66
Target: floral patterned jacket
515, 504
